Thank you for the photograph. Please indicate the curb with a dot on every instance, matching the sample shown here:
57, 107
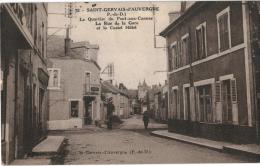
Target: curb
189, 142
241, 152
224, 148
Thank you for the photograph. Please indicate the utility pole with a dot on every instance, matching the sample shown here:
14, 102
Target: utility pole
69, 14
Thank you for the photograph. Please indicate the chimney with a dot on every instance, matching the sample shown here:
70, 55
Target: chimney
67, 42
111, 81
183, 6
173, 16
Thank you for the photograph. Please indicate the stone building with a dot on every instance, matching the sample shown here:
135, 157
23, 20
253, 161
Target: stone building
74, 84
143, 96
161, 103
211, 91
24, 75
120, 99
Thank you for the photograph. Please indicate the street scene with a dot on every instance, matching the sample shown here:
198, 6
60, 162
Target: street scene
131, 144
174, 82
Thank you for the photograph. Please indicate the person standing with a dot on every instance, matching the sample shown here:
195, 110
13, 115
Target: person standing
145, 119
110, 110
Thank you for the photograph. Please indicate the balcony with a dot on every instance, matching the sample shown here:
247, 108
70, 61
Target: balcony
91, 89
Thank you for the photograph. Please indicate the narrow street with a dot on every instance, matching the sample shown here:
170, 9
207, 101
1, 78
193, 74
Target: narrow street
131, 144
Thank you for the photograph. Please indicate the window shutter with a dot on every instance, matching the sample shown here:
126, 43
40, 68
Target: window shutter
50, 77
233, 90
218, 91
203, 42
188, 57
178, 54
170, 59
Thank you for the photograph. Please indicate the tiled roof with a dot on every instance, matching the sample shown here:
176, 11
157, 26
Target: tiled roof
56, 49
108, 87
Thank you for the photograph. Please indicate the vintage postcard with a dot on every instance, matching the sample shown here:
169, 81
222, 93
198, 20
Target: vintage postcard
143, 82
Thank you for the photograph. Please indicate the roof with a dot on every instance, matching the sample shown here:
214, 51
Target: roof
107, 87
56, 49
85, 44
186, 14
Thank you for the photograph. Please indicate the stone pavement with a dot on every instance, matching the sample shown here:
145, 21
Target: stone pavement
136, 122
31, 161
45, 153
248, 149
51, 145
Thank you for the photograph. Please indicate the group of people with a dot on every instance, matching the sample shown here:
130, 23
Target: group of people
110, 110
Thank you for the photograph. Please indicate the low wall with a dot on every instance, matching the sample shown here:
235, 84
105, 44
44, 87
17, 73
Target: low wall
65, 124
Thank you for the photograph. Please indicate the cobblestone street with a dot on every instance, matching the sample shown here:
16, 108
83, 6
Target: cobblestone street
134, 145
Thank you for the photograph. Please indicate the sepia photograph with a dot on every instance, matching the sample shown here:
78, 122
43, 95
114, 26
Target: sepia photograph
130, 82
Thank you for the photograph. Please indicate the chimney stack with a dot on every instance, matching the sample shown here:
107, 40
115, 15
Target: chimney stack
67, 41
173, 16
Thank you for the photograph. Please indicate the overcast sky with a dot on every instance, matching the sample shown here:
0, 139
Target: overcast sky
132, 51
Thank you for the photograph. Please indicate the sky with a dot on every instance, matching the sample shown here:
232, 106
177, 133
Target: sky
131, 51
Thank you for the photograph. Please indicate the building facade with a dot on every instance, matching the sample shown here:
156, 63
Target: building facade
210, 72
143, 96
120, 99
161, 104
74, 84
24, 78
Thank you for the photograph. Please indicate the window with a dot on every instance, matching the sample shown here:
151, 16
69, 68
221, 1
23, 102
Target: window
54, 78
223, 22
28, 10
205, 103
201, 41
87, 55
229, 100
87, 81
43, 40
185, 49
186, 96
74, 108
35, 22
175, 103
226, 103
174, 56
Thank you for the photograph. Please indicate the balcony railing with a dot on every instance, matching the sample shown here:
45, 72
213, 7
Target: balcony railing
91, 89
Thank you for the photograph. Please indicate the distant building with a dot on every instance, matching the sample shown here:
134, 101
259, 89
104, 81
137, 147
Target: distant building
74, 84
211, 89
133, 97
120, 99
24, 78
142, 90
161, 103
143, 96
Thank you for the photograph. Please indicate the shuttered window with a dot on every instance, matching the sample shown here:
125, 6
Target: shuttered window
54, 78
201, 41
234, 91
205, 103
185, 50
218, 91
170, 60
223, 30
174, 56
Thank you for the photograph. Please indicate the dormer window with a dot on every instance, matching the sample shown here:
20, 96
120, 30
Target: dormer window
87, 56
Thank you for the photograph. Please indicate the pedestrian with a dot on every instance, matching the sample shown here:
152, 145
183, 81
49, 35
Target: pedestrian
110, 110
145, 119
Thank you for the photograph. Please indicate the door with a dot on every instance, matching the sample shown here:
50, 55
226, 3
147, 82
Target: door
23, 116
40, 118
226, 100
187, 106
